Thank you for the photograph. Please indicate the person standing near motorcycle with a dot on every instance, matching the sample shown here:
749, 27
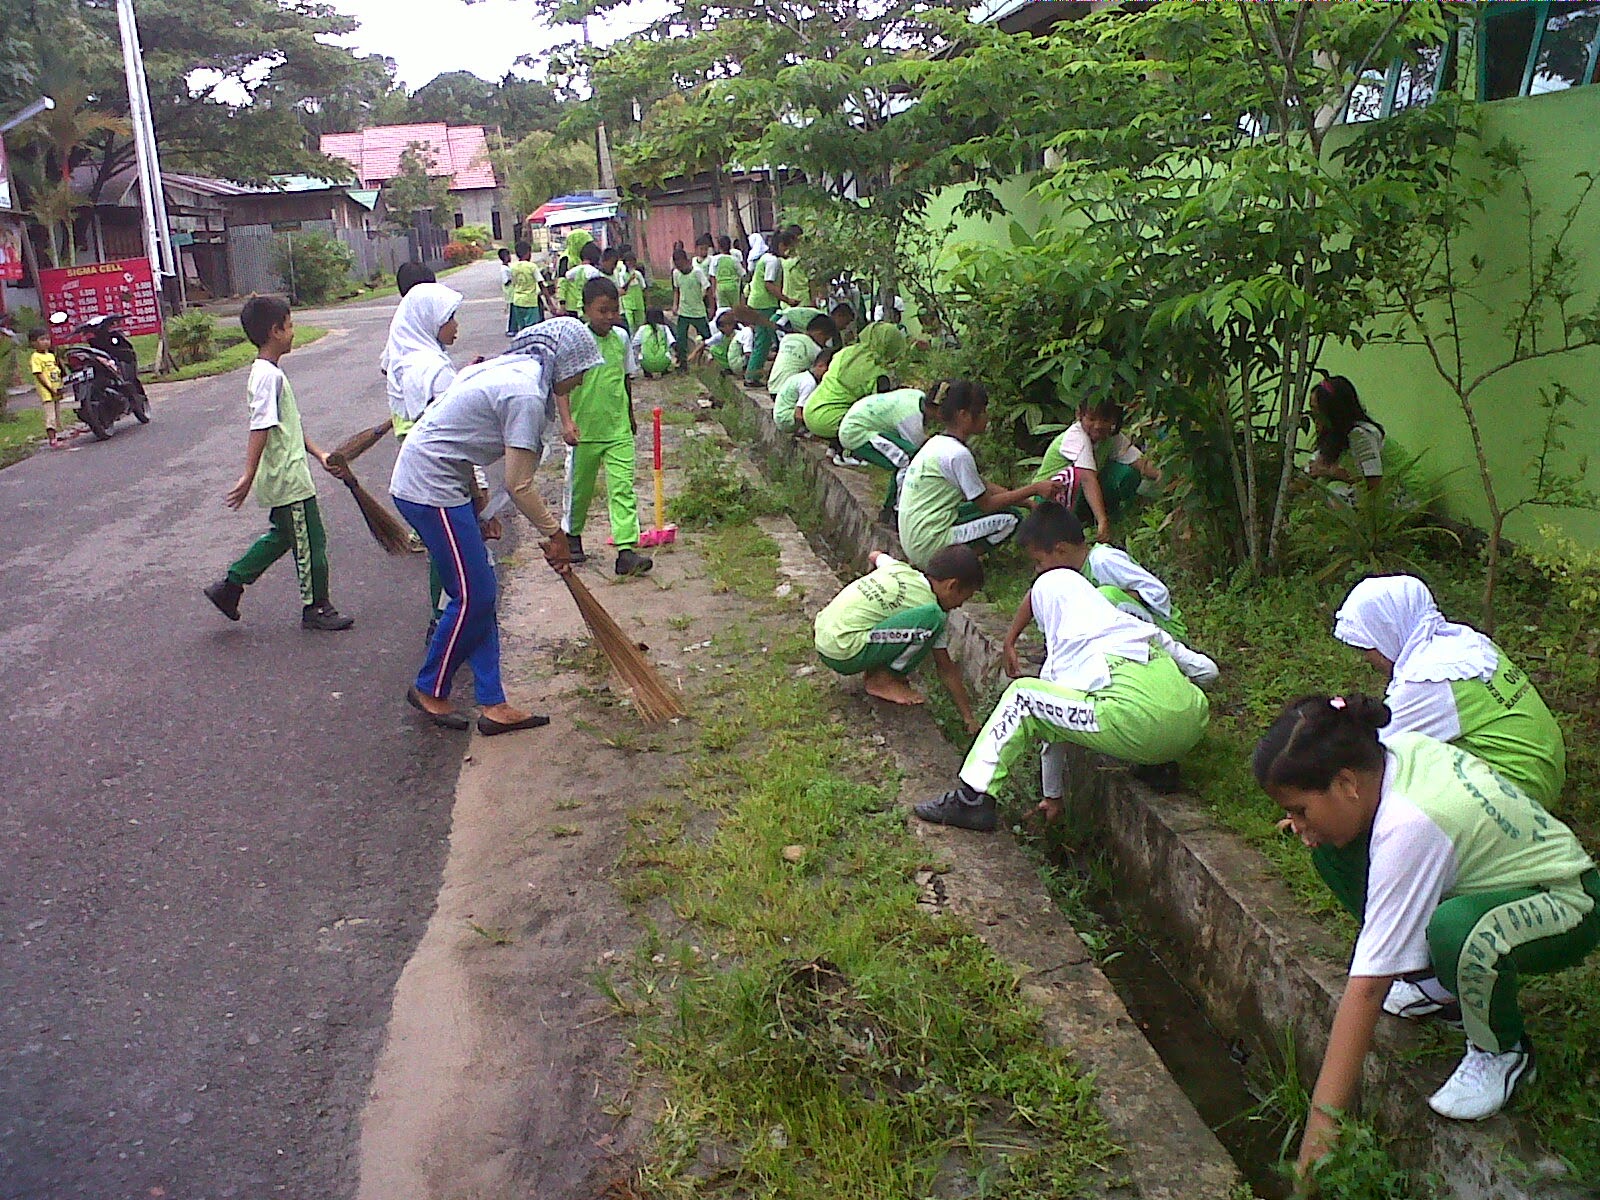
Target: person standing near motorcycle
277, 470
46, 372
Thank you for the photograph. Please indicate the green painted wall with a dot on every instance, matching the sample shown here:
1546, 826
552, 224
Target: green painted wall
1561, 134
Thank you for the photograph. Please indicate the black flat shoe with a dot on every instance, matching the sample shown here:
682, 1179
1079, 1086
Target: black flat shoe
449, 720
489, 727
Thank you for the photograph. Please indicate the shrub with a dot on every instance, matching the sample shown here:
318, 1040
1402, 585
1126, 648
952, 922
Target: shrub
475, 235
192, 337
456, 253
314, 267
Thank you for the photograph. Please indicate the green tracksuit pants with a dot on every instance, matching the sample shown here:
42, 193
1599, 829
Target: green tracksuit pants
297, 529
899, 643
583, 463
1482, 943
1134, 607
766, 338
1148, 714
887, 450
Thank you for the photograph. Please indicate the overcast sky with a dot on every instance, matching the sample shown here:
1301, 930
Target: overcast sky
485, 38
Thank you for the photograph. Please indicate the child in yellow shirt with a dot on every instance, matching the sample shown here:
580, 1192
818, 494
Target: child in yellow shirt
46, 372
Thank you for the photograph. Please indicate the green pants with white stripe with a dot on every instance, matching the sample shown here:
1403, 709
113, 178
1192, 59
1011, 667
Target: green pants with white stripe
1148, 714
1135, 607
1482, 943
887, 450
297, 529
583, 463
898, 643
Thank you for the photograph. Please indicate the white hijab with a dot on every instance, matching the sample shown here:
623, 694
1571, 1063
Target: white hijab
419, 368
1396, 615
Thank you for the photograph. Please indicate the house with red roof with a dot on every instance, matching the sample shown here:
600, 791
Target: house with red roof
459, 153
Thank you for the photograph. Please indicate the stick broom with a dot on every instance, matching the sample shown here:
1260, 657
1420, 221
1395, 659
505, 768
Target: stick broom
384, 526
655, 701
356, 445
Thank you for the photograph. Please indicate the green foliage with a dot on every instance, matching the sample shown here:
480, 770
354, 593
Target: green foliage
538, 168
714, 491
314, 267
474, 235
415, 190
1359, 1167
192, 337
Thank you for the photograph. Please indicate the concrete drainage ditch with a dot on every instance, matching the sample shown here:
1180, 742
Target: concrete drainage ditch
1262, 974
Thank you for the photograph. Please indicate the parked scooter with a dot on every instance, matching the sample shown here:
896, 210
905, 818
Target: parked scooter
104, 375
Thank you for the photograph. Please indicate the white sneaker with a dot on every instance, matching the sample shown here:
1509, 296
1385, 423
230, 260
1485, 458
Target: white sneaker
1483, 1082
849, 460
1410, 1002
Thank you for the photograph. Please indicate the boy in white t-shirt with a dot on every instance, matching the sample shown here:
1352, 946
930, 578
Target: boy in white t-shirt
1121, 580
1094, 459
789, 405
1110, 683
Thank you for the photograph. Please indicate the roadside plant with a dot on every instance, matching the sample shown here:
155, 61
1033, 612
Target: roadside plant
192, 337
314, 267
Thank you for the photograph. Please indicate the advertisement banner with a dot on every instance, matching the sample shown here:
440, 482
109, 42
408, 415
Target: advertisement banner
6, 203
10, 250
95, 289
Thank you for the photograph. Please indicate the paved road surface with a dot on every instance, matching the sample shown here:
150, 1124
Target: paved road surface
218, 843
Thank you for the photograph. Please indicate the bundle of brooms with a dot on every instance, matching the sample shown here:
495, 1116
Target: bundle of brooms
655, 701
386, 528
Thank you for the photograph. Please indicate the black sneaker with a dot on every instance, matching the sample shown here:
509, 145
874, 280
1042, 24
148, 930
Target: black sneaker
225, 595
575, 547
324, 617
631, 562
1159, 777
963, 808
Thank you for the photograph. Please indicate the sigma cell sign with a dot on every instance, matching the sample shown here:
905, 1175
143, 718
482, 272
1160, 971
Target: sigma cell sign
125, 287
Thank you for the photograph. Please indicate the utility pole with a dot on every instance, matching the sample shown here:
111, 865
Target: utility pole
152, 192
605, 173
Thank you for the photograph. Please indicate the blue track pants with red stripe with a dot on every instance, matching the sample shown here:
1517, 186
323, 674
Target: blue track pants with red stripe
468, 629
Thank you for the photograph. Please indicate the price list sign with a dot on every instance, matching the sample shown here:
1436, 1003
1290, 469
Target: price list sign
125, 287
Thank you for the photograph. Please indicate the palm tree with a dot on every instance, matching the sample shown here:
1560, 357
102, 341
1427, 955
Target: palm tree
57, 140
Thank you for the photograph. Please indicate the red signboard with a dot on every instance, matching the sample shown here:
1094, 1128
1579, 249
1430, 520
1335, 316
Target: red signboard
126, 287
10, 250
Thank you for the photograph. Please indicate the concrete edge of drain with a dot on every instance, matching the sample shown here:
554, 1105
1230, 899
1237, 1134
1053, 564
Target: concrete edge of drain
1238, 939
1170, 1152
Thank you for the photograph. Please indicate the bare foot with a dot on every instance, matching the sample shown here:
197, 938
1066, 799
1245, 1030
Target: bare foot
1050, 810
505, 714
886, 685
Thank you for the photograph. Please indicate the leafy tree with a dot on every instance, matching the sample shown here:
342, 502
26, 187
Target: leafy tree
456, 98
415, 189
538, 168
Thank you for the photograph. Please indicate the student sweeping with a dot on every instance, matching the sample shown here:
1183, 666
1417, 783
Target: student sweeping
1344, 429
495, 409
423, 328
885, 624
887, 429
766, 296
1128, 586
944, 501
1467, 878
653, 343
797, 351
277, 470
691, 290
858, 370
1110, 683
789, 405
526, 287
1095, 461
597, 424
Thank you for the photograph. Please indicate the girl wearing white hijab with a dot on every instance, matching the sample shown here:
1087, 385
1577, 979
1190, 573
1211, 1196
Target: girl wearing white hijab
419, 368
495, 409
1450, 683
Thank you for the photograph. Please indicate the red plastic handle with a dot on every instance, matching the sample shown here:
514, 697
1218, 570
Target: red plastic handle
657, 415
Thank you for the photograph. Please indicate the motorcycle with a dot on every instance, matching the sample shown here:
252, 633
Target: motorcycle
104, 376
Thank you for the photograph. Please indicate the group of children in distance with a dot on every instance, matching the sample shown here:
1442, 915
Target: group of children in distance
1427, 813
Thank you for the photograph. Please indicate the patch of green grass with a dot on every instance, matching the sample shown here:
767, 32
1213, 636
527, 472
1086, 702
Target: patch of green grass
842, 1041
22, 429
712, 490
233, 351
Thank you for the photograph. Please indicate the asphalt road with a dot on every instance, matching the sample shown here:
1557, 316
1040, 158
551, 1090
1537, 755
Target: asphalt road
219, 843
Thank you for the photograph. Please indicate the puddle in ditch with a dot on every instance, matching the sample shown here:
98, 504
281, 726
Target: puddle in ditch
1194, 1053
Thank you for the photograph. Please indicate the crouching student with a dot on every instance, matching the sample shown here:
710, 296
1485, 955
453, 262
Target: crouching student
789, 405
858, 370
1111, 683
887, 429
716, 348
944, 501
1128, 586
797, 351
1094, 460
1468, 879
653, 343
885, 624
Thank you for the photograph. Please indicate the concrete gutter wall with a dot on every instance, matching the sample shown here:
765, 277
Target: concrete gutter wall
1262, 970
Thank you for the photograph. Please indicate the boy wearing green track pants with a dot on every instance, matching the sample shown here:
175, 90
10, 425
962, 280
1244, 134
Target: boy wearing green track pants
885, 624
597, 424
725, 270
1466, 878
1096, 464
1128, 586
1111, 683
887, 429
766, 296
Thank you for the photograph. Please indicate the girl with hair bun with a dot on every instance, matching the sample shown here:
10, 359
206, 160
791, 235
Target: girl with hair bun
1466, 882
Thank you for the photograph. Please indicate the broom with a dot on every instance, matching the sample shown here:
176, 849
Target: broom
384, 526
356, 445
655, 701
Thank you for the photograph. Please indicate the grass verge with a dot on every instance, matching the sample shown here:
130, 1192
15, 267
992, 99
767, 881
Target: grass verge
233, 351
22, 429
819, 1034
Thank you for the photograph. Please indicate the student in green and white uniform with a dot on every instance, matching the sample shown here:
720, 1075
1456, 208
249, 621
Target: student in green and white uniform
887, 429
766, 295
572, 283
727, 272
885, 624
1098, 468
944, 501
689, 285
1467, 880
789, 405
858, 370
797, 351
631, 284
653, 342
1452, 683
1110, 683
